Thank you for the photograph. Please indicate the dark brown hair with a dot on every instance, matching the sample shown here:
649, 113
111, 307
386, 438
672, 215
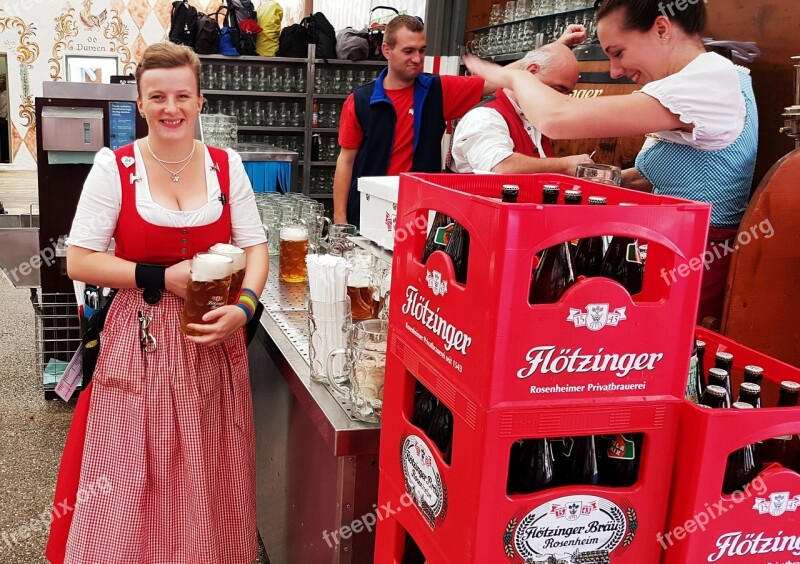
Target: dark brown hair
167, 56
639, 15
411, 23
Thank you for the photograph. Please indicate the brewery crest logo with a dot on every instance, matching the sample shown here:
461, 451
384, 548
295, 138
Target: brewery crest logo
570, 527
423, 479
435, 282
777, 504
596, 317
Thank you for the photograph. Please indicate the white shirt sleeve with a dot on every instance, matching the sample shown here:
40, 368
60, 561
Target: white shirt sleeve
98, 208
707, 94
245, 220
481, 141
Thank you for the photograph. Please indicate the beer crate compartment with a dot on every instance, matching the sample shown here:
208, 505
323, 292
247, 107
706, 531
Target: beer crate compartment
459, 505
759, 521
495, 349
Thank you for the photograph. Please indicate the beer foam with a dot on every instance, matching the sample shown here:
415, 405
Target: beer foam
235, 253
210, 266
294, 234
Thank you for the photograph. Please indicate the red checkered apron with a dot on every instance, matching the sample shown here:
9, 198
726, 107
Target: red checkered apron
167, 472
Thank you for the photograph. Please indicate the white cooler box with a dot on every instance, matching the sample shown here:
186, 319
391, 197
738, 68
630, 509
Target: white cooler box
379, 208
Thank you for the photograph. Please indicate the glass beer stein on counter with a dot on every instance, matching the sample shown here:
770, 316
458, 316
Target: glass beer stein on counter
367, 356
209, 283
360, 283
292, 253
239, 258
329, 325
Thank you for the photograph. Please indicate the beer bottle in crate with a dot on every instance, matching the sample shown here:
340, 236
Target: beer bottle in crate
550, 194
714, 396
589, 253
623, 264
742, 464
585, 468
753, 374
424, 406
621, 463
510, 193
411, 552
554, 273
440, 430
721, 378
724, 360
438, 236
701, 371
534, 470
693, 392
458, 250
785, 449
750, 393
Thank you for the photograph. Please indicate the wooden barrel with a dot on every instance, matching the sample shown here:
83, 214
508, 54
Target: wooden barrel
595, 80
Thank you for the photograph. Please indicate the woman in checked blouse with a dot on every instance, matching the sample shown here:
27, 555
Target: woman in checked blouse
166, 426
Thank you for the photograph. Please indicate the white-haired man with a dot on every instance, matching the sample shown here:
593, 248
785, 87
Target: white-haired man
497, 137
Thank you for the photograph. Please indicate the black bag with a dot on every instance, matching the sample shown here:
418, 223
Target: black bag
244, 9
376, 35
322, 34
91, 339
207, 42
183, 23
293, 42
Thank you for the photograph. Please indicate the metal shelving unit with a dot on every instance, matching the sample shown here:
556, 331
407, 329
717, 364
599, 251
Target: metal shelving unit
310, 65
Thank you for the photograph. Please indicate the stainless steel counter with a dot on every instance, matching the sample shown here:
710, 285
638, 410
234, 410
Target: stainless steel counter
317, 469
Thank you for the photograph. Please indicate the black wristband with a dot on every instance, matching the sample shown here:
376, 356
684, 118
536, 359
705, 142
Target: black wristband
150, 276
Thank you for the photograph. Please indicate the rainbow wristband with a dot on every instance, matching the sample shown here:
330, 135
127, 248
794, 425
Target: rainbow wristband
247, 302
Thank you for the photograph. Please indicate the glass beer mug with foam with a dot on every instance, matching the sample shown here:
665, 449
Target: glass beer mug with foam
239, 258
292, 253
209, 283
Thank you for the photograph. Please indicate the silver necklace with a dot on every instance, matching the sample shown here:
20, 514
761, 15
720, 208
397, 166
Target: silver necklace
176, 175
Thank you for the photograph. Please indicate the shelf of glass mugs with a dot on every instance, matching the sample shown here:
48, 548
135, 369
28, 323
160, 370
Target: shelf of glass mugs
251, 80
520, 37
324, 149
266, 113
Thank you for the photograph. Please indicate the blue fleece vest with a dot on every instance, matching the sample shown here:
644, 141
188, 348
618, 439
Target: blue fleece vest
377, 117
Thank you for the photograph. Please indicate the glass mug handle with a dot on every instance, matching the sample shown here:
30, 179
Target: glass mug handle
329, 371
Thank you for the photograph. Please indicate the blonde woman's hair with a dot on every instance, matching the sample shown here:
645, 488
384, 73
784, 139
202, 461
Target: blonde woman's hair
167, 56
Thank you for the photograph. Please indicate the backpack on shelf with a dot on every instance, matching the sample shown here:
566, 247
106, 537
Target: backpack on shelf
293, 42
183, 23
207, 42
270, 15
322, 34
376, 31
352, 44
244, 9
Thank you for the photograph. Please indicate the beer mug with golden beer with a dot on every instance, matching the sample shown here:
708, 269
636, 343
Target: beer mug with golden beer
239, 258
209, 282
292, 253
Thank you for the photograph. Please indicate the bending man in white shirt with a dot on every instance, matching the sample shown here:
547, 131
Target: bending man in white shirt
497, 137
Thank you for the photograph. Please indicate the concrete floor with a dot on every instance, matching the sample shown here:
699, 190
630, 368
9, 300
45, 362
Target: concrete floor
32, 429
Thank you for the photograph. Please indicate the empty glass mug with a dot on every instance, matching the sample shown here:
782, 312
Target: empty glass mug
329, 326
367, 355
603, 173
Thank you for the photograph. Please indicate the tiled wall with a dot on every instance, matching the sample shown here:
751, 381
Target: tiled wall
37, 35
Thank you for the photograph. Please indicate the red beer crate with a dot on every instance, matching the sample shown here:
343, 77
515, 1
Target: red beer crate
461, 512
493, 348
761, 522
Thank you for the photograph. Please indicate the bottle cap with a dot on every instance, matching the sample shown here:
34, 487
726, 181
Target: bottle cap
790, 386
754, 370
742, 405
724, 356
597, 200
750, 388
715, 390
718, 374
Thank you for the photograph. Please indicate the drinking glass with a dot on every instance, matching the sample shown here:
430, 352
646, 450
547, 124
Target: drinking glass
209, 283
329, 326
603, 173
366, 357
292, 252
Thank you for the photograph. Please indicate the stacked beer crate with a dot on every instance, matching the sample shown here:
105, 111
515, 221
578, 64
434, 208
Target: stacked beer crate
725, 505
597, 369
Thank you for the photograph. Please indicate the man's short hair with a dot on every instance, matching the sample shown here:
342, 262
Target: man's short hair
541, 57
411, 23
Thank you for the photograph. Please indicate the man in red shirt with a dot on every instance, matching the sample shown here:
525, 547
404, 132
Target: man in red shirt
383, 129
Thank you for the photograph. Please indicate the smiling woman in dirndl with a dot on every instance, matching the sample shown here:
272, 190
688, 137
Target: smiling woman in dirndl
165, 425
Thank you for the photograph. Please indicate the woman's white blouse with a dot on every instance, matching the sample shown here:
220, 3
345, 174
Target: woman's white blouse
99, 206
